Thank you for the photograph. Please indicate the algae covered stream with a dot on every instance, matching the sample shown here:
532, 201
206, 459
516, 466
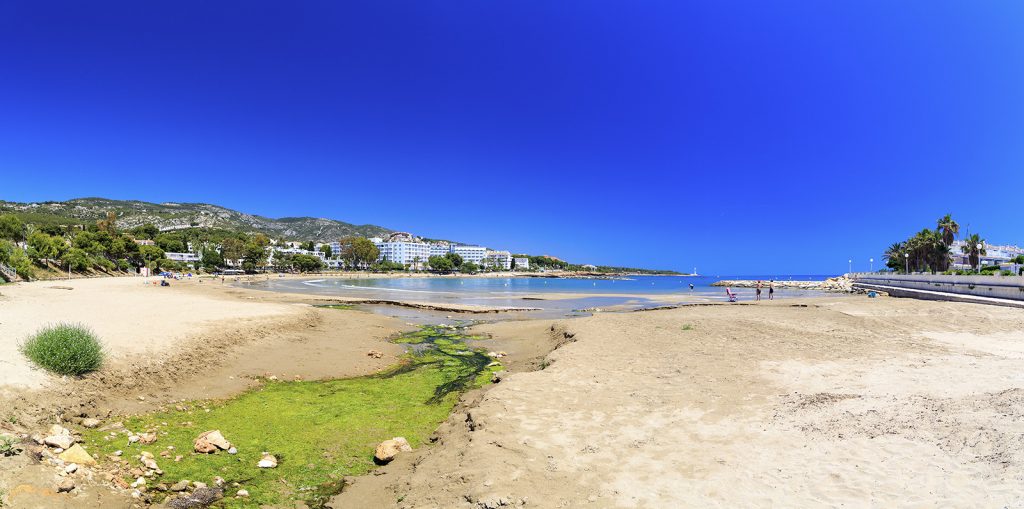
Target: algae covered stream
320, 431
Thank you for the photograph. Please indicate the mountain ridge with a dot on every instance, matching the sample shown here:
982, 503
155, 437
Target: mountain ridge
180, 215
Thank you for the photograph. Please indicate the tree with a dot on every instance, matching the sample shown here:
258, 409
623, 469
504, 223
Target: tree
109, 224
970, 248
417, 263
211, 259
440, 263
469, 268
146, 231
15, 257
255, 253
307, 263
308, 246
894, 256
77, 259
43, 247
949, 229
231, 249
150, 253
455, 258
326, 250
358, 251
11, 228
171, 242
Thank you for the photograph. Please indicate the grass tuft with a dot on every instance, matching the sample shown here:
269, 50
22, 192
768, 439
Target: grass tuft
65, 349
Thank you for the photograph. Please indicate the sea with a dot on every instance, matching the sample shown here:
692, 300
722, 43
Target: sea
555, 297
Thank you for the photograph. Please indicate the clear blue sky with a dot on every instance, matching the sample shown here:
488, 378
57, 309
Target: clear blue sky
770, 137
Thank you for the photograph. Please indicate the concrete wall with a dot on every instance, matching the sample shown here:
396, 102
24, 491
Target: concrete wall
1000, 287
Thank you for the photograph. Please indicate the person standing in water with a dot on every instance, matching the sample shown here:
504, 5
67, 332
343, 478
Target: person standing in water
771, 289
758, 290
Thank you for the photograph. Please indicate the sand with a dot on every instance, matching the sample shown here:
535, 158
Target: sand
817, 402
846, 402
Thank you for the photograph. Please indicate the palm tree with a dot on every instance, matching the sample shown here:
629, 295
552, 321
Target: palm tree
894, 256
949, 229
970, 248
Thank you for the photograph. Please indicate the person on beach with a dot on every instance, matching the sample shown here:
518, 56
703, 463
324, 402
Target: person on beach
771, 290
758, 290
691, 287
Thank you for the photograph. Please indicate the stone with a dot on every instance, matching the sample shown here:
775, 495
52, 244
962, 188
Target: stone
147, 438
181, 485
497, 376
57, 429
133, 439
150, 463
140, 481
90, 422
375, 354
211, 441
77, 454
66, 485
232, 451
60, 440
201, 497
242, 493
267, 461
118, 452
71, 468
388, 449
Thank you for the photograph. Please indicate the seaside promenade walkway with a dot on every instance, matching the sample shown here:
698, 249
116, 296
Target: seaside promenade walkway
915, 293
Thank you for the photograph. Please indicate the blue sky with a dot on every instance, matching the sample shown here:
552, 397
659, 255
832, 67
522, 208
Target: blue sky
769, 137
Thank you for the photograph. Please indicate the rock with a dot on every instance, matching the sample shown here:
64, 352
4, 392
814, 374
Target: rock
242, 493
76, 454
497, 376
210, 441
90, 422
388, 449
118, 452
66, 485
375, 354
150, 463
147, 438
201, 497
267, 461
232, 451
133, 439
57, 429
139, 481
218, 481
60, 440
181, 485
71, 468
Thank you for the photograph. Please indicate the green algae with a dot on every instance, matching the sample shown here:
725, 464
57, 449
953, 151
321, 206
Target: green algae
319, 431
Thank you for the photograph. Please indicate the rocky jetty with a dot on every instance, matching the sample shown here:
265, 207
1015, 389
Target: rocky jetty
832, 284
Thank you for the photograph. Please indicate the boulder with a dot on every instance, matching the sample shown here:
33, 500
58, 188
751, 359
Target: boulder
90, 422
66, 485
211, 441
388, 449
147, 438
76, 454
267, 461
180, 486
57, 429
60, 441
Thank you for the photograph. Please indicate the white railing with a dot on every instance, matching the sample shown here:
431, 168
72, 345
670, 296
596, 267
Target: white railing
8, 273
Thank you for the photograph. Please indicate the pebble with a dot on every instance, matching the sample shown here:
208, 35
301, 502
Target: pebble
65, 486
72, 468
242, 493
233, 450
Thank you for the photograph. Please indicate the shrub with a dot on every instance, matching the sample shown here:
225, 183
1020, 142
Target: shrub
66, 349
8, 446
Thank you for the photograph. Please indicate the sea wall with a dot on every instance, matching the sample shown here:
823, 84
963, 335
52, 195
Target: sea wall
832, 284
1000, 287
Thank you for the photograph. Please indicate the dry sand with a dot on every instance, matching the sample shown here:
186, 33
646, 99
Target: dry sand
850, 402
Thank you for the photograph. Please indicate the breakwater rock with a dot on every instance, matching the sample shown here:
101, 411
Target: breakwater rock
832, 284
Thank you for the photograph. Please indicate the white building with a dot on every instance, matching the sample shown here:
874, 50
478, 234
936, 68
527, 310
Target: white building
473, 254
498, 260
182, 257
522, 263
403, 248
439, 248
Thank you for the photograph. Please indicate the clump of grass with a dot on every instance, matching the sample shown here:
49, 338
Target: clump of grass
687, 327
65, 349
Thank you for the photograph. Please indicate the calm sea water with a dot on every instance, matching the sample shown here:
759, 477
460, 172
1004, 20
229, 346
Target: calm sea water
623, 293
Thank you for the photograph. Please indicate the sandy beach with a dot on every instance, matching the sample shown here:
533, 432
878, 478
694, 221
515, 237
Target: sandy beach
811, 402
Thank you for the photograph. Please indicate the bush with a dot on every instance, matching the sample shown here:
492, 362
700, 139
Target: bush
65, 349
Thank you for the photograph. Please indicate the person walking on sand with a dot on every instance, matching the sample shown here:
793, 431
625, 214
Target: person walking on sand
771, 289
758, 298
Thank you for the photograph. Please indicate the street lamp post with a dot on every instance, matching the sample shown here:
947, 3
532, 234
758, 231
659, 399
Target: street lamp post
871, 266
979, 246
850, 261
906, 258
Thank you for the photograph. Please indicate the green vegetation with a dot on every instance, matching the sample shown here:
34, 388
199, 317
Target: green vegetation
8, 446
319, 431
551, 263
440, 263
687, 327
387, 266
336, 306
65, 349
358, 251
927, 251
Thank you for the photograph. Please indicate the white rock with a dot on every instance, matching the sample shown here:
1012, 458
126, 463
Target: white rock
267, 461
233, 450
72, 468
242, 493
63, 441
